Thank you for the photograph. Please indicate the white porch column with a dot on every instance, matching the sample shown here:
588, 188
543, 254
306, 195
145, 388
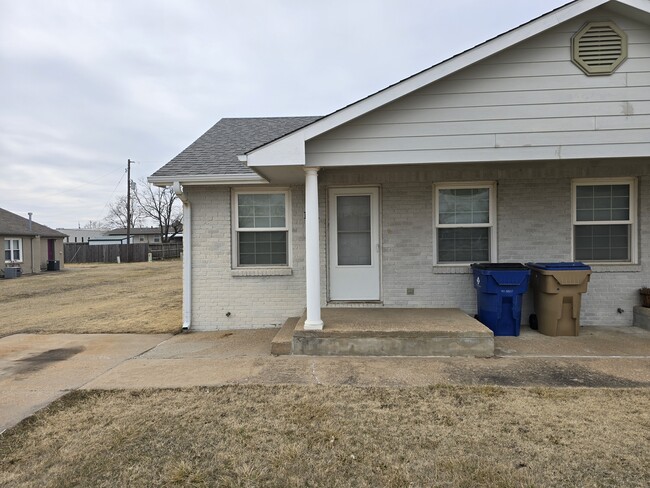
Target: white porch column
312, 250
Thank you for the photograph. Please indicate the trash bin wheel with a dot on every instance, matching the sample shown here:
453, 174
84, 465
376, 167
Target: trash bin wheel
532, 321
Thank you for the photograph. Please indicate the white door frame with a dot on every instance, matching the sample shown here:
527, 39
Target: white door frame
348, 273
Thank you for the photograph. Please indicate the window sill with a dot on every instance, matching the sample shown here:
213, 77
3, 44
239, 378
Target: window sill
615, 268
261, 272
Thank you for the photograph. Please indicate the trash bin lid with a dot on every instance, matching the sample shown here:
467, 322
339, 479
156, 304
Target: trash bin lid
500, 266
567, 266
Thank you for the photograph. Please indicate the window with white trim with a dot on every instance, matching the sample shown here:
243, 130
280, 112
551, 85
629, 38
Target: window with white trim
465, 223
261, 228
604, 220
13, 250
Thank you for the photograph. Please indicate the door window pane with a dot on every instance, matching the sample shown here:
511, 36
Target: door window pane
353, 230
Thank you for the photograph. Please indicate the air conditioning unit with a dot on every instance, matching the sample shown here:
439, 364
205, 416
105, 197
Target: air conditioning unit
13, 272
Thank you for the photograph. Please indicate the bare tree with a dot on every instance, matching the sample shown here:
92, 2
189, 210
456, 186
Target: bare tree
161, 206
95, 225
117, 214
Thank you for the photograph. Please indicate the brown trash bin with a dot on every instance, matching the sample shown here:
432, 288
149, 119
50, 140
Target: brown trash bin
557, 296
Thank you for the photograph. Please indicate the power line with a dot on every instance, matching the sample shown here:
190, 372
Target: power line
83, 183
108, 202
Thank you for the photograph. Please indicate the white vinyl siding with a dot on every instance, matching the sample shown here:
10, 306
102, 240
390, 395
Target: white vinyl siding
261, 225
604, 220
465, 223
529, 102
13, 250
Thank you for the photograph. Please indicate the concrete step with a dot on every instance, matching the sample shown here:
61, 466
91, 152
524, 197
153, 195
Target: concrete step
394, 332
281, 343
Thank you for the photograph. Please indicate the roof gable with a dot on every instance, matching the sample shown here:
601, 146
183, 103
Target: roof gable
290, 149
529, 102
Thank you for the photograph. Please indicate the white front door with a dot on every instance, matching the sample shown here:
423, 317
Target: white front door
354, 244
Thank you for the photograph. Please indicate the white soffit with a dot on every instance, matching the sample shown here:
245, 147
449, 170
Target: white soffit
290, 149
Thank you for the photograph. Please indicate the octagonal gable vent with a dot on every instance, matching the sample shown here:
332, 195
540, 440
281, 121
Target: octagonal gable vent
599, 48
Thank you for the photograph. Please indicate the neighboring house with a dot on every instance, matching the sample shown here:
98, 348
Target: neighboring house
533, 146
79, 236
149, 235
29, 245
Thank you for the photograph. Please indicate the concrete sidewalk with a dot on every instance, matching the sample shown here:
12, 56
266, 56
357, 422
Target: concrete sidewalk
37, 369
601, 356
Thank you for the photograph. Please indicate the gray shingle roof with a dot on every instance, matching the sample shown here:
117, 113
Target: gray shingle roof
216, 151
15, 225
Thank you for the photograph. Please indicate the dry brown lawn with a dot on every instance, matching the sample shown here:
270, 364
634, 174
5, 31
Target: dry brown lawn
95, 298
294, 436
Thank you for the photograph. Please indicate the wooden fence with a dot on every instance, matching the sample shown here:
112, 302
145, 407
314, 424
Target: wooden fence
81, 252
105, 253
168, 250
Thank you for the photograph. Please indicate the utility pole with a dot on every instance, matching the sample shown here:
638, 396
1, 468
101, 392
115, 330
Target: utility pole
128, 207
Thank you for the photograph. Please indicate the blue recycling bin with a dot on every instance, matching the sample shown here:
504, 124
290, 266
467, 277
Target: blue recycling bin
499, 288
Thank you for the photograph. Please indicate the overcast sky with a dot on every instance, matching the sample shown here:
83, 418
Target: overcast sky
87, 84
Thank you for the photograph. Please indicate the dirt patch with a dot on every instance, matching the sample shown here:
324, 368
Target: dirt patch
541, 373
334, 436
129, 297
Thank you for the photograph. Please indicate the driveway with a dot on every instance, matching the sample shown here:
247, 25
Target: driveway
36, 369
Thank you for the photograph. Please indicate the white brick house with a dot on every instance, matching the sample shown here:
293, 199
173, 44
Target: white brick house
533, 146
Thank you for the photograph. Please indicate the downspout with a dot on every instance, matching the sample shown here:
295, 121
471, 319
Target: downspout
187, 255
31, 244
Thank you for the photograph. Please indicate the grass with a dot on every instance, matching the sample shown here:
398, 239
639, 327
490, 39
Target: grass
288, 436
95, 298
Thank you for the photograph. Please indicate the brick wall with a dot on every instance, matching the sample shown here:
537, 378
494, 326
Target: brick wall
533, 224
253, 301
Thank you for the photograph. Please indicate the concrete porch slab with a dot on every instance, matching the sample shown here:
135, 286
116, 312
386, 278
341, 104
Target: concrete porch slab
281, 343
394, 332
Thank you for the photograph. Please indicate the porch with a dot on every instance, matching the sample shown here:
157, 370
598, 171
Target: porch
386, 332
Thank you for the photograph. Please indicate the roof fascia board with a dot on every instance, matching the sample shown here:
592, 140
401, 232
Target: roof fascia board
189, 180
290, 149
